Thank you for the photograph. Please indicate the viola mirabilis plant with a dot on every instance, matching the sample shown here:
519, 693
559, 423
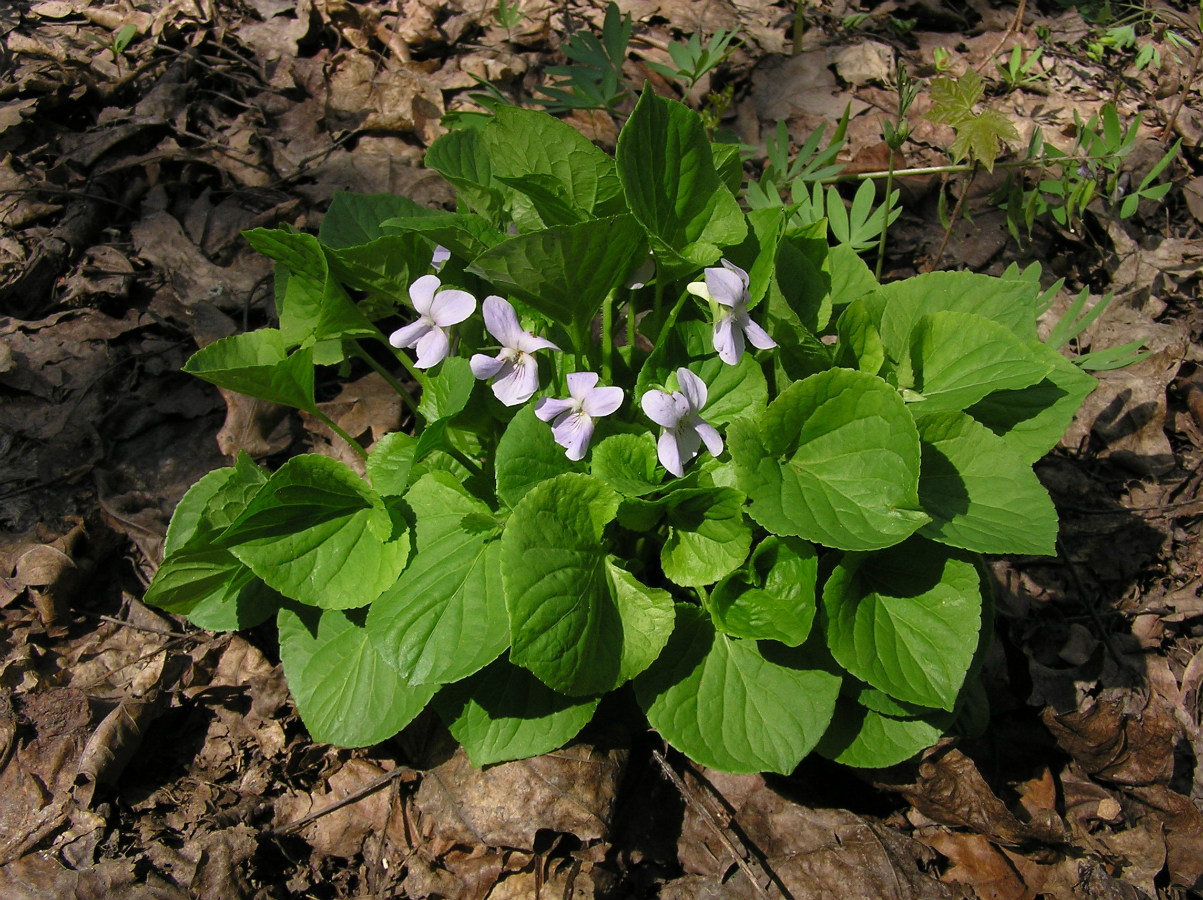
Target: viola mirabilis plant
753, 489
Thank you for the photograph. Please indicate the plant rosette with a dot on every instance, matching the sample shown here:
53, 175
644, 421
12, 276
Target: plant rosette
751, 482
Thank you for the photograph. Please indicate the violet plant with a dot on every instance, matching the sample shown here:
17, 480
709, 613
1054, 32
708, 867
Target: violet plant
748, 487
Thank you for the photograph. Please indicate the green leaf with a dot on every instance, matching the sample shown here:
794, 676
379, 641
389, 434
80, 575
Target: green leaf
385, 266
905, 620
389, 463
527, 455
577, 621
565, 272
460, 157
318, 534
1032, 420
210, 505
628, 463
721, 702
345, 692
504, 712
447, 391
980, 494
865, 738
959, 358
466, 235
257, 364
708, 536
773, 598
444, 618
355, 219
667, 170
860, 344
835, 459
213, 589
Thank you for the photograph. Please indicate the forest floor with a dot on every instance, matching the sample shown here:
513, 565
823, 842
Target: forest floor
143, 758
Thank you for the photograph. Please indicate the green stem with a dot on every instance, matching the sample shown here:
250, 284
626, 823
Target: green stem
799, 28
657, 300
961, 167
387, 376
885, 216
607, 336
631, 325
330, 423
672, 319
462, 459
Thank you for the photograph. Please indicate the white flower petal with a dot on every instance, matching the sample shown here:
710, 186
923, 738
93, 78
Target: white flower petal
485, 366
728, 341
452, 306
440, 256
739, 273
411, 333
548, 408
666, 410
669, 453
693, 388
433, 348
580, 383
528, 343
421, 292
602, 401
710, 437
724, 286
502, 322
688, 444
698, 289
574, 434
757, 336
519, 383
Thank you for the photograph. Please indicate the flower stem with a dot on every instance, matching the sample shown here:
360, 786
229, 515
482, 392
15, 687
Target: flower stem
672, 319
631, 325
885, 217
460, 457
392, 382
330, 423
607, 337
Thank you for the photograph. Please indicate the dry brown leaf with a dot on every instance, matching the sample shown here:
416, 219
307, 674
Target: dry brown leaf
980, 865
1122, 738
258, 427
1183, 824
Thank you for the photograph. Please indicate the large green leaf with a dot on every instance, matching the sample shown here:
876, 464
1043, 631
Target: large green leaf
318, 534
980, 494
210, 505
708, 535
257, 364
466, 235
355, 219
460, 157
213, 589
721, 702
577, 621
565, 272
835, 459
389, 463
667, 170
773, 597
448, 390
628, 463
1033, 420
959, 358
444, 618
504, 712
527, 455
866, 738
905, 620
345, 692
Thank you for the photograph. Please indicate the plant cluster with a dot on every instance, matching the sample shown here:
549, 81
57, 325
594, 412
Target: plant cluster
664, 447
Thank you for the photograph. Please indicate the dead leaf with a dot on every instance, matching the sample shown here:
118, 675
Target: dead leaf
865, 62
258, 427
979, 864
1123, 738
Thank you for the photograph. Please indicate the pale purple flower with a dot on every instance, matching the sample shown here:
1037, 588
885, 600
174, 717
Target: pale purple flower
437, 312
682, 430
728, 287
514, 371
573, 425
440, 257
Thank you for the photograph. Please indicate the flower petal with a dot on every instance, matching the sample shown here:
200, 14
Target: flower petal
669, 453
580, 383
433, 348
602, 401
528, 343
452, 306
502, 321
485, 366
725, 286
688, 443
440, 256
411, 333
728, 340
666, 410
739, 273
698, 289
757, 336
421, 292
710, 437
693, 388
548, 408
519, 383
574, 434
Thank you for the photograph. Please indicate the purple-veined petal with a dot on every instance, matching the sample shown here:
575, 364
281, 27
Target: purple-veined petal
410, 334
452, 306
519, 383
728, 340
580, 383
421, 292
757, 336
502, 322
573, 433
548, 408
485, 366
602, 401
693, 388
668, 452
433, 348
724, 286
710, 437
666, 410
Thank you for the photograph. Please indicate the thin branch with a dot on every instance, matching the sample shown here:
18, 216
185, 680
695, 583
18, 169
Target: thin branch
369, 788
